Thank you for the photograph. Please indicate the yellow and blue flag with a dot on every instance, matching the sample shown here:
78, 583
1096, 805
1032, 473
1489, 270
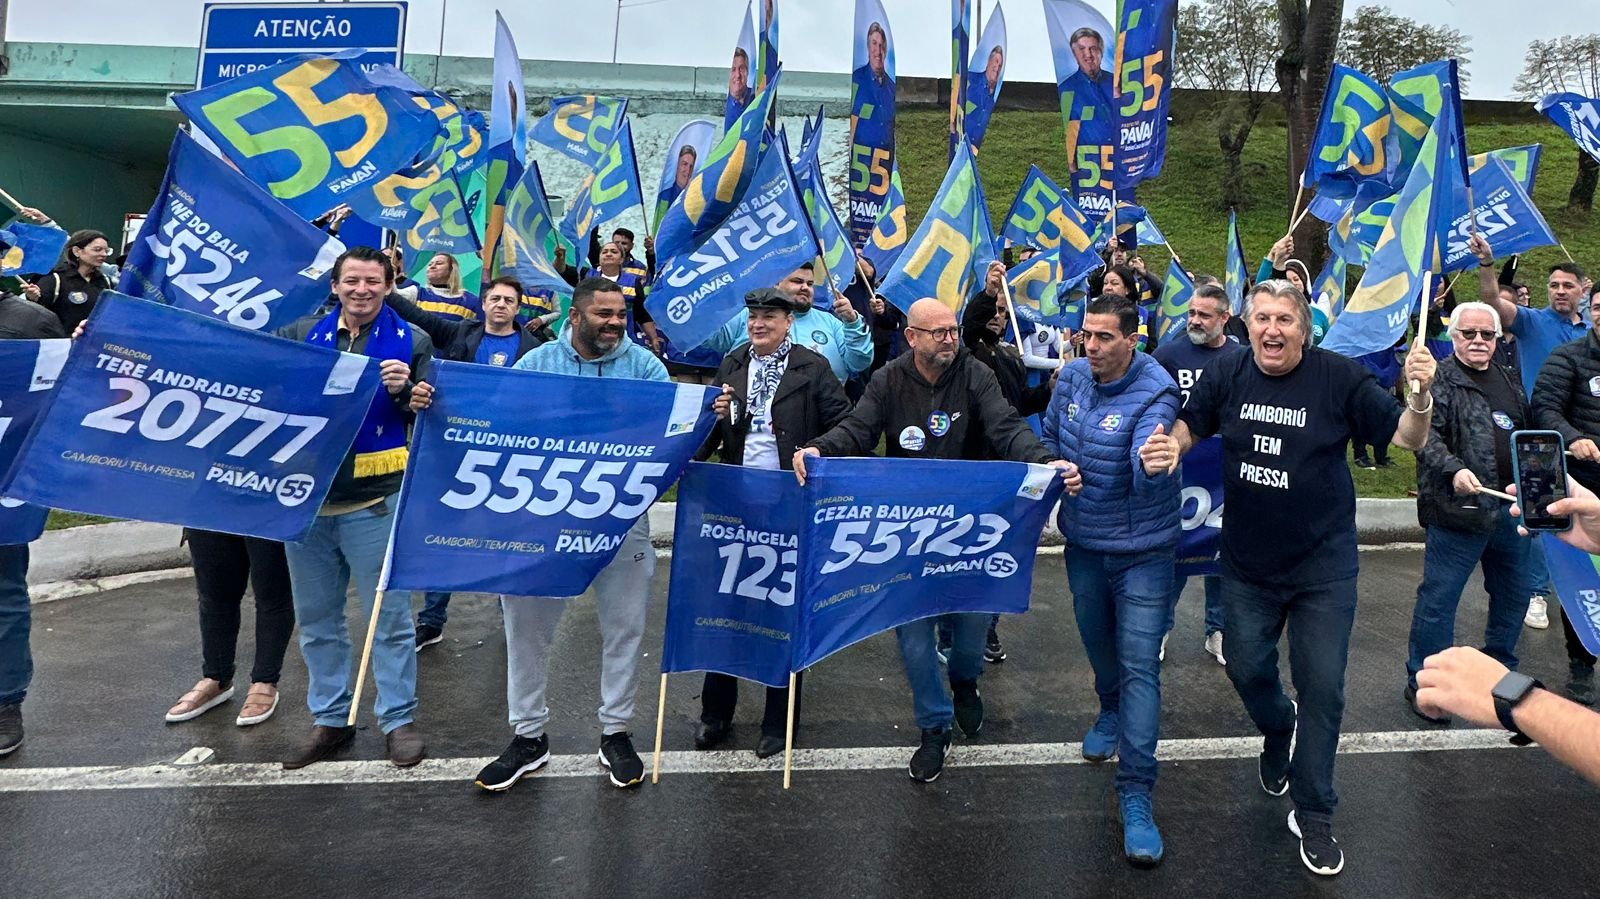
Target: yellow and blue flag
1328, 288
1147, 35
529, 237
611, 189
508, 138
1236, 279
581, 127
1410, 249
1577, 115
29, 249
952, 249
838, 258
891, 230
1040, 286
1522, 162
1044, 216
312, 130
1354, 140
1174, 313
1417, 99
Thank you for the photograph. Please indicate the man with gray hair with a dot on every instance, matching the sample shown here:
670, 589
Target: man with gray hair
1286, 412
1477, 406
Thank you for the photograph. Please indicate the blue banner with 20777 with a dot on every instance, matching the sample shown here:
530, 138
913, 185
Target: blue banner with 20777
28, 372
163, 415
526, 483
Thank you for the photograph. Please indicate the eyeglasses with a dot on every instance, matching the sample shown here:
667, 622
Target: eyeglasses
1475, 334
939, 334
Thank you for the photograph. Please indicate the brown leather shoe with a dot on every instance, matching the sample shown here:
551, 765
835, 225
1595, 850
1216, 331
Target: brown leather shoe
405, 746
324, 742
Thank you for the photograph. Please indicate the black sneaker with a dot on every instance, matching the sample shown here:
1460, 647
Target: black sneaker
969, 707
1580, 683
617, 755
1364, 463
1318, 849
1276, 753
993, 651
525, 755
428, 634
1411, 699
927, 763
10, 728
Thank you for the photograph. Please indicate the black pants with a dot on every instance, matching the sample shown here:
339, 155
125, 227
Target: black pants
1576, 653
224, 564
720, 696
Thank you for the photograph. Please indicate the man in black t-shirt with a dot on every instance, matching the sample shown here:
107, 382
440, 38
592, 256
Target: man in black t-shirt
1286, 412
1477, 406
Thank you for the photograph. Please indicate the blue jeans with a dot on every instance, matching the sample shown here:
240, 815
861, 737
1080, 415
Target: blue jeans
1447, 563
929, 697
1213, 587
16, 661
320, 568
1319, 619
1123, 602
1538, 570
435, 609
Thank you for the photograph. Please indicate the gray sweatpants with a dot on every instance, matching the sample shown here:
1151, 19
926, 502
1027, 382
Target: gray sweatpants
622, 589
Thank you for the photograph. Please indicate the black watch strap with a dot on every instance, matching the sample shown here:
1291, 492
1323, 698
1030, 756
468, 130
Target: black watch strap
1504, 705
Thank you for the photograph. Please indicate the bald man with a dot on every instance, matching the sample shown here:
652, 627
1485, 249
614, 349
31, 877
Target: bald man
937, 402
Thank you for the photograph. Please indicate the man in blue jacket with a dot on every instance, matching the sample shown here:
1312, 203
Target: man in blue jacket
1121, 532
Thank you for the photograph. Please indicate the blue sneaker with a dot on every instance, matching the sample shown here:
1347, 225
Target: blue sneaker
1100, 743
1141, 839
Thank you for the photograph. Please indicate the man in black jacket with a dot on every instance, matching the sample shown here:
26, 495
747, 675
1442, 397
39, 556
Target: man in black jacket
1477, 406
1566, 398
776, 396
975, 423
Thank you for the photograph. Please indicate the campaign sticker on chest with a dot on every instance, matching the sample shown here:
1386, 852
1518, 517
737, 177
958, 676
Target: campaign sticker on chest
913, 439
1111, 422
820, 338
1503, 421
939, 423
1594, 386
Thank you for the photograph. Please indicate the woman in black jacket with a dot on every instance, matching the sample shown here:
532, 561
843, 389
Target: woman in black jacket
776, 396
71, 289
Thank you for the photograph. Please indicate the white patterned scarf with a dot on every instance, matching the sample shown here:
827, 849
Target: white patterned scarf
766, 374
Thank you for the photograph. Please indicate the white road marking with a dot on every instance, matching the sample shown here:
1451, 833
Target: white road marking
462, 770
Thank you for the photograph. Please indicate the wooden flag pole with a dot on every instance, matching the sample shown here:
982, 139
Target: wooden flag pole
1422, 322
1011, 309
1298, 219
1497, 494
661, 719
1298, 196
10, 199
366, 659
788, 735
1558, 243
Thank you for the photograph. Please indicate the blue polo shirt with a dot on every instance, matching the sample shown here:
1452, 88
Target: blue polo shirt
1538, 333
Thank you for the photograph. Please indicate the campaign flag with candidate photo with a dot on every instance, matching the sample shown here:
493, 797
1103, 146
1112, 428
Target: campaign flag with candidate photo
1147, 37
526, 498
581, 127
872, 558
742, 72
735, 551
691, 144
217, 245
985, 76
28, 373
872, 117
1082, 47
508, 141
164, 415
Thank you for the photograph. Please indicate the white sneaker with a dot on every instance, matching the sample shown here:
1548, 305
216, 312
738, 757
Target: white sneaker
1538, 616
1214, 646
1162, 655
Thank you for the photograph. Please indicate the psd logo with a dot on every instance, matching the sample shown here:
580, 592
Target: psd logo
295, 489
1000, 565
1111, 422
680, 310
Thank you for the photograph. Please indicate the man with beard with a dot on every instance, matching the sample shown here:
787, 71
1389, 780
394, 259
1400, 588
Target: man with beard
593, 345
937, 402
841, 336
1186, 361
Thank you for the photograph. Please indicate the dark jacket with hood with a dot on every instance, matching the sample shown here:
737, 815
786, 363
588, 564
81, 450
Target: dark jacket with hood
1461, 435
1566, 398
809, 401
458, 341
1002, 358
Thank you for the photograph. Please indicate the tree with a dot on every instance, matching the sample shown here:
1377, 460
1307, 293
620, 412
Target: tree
1308, 36
1230, 46
1380, 43
1561, 65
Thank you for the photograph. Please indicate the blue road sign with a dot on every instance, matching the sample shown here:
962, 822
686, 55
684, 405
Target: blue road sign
239, 38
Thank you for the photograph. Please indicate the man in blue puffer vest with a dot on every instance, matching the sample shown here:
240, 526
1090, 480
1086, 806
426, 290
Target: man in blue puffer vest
1121, 532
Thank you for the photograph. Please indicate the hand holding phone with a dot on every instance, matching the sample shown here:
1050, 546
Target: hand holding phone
1539, 461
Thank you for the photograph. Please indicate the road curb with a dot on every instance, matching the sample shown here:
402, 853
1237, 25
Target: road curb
82, 560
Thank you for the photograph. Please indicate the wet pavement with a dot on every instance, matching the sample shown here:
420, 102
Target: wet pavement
1458, 820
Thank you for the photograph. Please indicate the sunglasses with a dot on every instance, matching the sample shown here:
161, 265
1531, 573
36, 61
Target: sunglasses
1474, 334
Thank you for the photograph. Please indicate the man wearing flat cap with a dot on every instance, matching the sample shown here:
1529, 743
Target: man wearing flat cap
841, 337
776, 396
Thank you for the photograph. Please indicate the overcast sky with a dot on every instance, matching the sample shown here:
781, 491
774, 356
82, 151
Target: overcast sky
815, 33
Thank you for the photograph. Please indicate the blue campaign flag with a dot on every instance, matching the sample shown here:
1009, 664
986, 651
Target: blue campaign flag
1147, 234
1175, 296
1201, 511
164, 415
735, 551
312, 130
871, 560
1502, 212
696, 292
1522, 162
217, 245
984, 77
1329, 287
1236, 278
581, 127
28, 373
889, 233
1576, 577
1044, 216
526, 498
29, 249
508, 141
838, 258
1088, 104
717, 189
1147, 35
1577, 115
1418, 98
529, 237
1040, 286
1353, 142
1329, 209
1385, 301
611, 189
953, 246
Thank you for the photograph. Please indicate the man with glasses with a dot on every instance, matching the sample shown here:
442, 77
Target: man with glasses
937, 402
1476, 407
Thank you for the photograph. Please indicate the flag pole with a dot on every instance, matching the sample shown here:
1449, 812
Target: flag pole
1422, 322
1011, 308
1298, 196
1566, 251
366, 658
788, 735
10, 199
661, 719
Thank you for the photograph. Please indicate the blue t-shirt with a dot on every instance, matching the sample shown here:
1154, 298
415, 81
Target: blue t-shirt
1186, 360
498, 351
1538, 333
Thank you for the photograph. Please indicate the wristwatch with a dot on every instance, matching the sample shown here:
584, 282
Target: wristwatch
1511, 690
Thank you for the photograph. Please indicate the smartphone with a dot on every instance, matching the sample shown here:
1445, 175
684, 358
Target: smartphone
1539, 461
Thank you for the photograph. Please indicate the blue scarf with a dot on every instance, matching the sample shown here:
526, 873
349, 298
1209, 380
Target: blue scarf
381, 443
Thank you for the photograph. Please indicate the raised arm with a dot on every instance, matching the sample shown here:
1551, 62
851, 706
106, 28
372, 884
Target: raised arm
1489, 284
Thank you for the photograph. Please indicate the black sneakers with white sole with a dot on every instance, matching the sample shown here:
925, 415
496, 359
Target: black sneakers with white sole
1319, 851
524, 756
